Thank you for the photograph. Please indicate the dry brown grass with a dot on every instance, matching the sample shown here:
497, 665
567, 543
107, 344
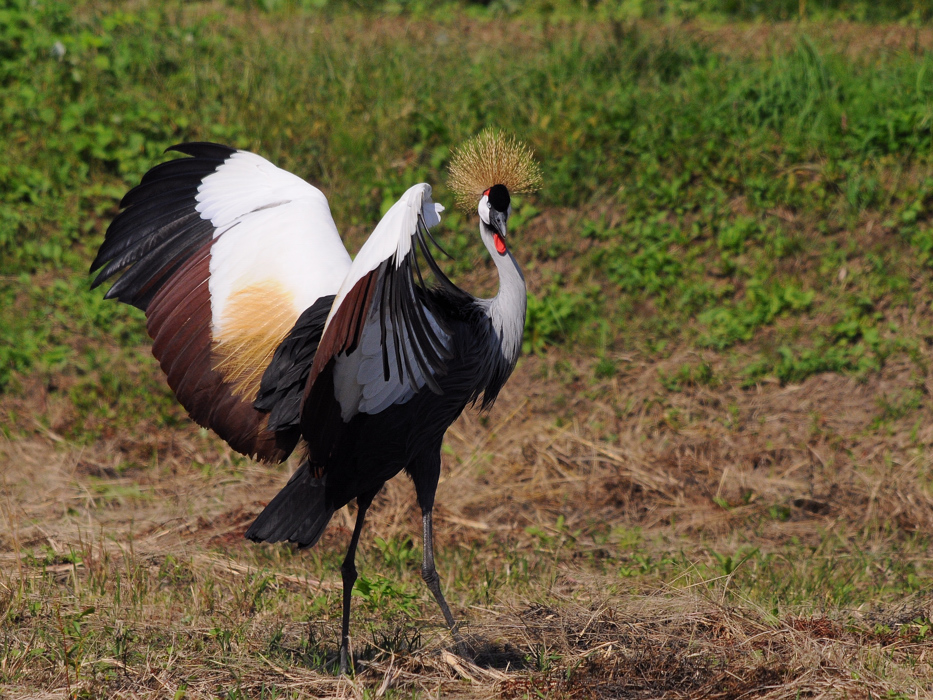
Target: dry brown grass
192, 619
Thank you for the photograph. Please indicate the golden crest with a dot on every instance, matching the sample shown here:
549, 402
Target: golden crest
491, 158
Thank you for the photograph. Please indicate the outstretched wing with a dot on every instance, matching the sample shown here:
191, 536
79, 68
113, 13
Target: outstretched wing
383, 341
224, 252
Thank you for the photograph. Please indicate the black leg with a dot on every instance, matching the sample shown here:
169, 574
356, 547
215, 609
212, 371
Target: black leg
429, 574
348, 573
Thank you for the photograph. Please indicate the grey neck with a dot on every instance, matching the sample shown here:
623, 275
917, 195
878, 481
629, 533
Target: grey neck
506, 310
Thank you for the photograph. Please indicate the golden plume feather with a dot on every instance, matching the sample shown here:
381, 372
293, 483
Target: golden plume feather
491, 158
256, 321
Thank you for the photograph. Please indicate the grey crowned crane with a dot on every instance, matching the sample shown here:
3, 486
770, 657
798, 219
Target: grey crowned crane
269, 334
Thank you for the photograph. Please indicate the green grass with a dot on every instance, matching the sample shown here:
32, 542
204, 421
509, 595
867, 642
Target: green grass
695, 148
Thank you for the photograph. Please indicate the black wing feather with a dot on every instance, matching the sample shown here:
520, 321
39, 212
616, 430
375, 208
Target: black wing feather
154, 266
131, 250
204, 150
179, 168
159, 227
283, 382
405, 304
137, 223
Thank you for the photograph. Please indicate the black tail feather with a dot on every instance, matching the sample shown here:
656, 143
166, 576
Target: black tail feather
298, 513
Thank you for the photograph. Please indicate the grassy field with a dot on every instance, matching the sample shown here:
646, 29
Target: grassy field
711, 475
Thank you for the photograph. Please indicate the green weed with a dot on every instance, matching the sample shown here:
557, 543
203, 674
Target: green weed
385, 596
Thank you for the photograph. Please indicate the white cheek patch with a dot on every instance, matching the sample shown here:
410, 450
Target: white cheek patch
484, 209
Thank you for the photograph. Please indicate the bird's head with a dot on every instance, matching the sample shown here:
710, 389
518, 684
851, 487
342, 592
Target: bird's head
495, 206
484, 173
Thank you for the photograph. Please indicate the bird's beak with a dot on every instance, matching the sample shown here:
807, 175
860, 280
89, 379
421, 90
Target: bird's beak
497, 220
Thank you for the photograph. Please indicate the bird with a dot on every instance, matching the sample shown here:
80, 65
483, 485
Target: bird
271, 335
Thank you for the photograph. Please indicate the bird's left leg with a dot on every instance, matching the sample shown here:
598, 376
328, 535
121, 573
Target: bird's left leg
348, 573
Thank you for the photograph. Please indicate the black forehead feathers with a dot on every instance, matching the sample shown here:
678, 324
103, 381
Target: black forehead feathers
499, 198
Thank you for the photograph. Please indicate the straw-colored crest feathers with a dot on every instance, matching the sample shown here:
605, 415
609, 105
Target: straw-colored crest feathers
491, 158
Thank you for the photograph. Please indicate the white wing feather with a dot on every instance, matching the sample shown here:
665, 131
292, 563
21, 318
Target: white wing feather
392, 236
270, 226
359, 380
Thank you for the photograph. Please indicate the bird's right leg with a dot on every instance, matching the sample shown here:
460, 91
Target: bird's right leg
348, 573
425, 474
433, 580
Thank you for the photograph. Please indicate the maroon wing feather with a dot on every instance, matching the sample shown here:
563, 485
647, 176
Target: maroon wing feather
179, 321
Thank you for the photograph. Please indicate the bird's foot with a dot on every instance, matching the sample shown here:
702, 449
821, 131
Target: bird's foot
344, 660
463, 651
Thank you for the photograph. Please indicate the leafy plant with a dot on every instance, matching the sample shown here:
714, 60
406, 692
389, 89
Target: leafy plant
555, 316
385, 596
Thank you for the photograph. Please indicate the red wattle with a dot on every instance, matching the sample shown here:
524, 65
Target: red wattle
500, 244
